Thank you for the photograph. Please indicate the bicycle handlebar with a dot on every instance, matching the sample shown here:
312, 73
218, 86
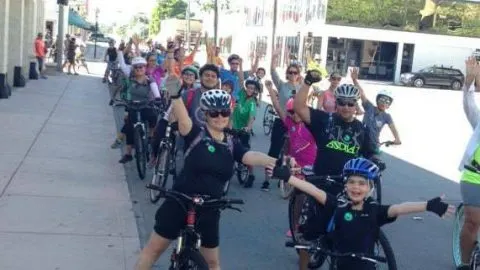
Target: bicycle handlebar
235, 132
200, 200
387, 143
361, 256
137, 104
328, 178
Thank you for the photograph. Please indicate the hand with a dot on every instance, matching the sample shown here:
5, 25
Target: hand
313, 76
173, 86
354, 73
397, 142
442, 209
472, 69
268, 84
282, 173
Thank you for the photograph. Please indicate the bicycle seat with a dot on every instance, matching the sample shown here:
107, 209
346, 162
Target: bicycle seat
307, 171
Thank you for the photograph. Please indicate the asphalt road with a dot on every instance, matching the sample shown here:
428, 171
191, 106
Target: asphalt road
254, 239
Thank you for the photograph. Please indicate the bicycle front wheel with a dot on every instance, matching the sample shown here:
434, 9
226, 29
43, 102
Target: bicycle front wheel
268, 119
457, 228
160, 173
190, 259
140, 152
383, 246
285, 190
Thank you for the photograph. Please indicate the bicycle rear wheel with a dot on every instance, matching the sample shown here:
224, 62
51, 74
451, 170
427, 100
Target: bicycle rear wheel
294, 211
457, 228
160, 173
140, 152
190, 259
268, 119
384, 245
285, 190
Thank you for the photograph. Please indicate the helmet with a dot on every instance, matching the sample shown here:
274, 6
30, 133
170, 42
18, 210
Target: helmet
362, 167
254, 82
196, 65
289, 105
215, 99
138, 61
385, 93
347, 91
192, 69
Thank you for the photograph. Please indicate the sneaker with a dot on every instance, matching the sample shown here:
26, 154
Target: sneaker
266, 186
249, 182
116, 144
125, 159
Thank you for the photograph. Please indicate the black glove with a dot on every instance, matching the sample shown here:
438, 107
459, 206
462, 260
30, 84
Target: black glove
282, 173
313, 76
111, 102
436, 206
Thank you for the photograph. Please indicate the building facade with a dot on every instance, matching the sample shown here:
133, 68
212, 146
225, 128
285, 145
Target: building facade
302, 31
20, 21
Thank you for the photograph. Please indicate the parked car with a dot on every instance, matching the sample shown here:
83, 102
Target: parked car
435, 76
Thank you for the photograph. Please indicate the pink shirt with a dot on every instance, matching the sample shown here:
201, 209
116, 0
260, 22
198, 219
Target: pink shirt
328, 101
302, 143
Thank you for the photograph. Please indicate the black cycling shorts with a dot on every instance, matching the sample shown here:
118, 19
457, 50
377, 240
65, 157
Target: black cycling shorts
171, 218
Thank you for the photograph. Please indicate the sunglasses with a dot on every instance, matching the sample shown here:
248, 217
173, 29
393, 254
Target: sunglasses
292, 112
293, 73
189, 74
139, 67
343, 103
384, 100
215, 114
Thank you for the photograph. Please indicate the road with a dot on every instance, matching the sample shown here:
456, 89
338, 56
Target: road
433, 131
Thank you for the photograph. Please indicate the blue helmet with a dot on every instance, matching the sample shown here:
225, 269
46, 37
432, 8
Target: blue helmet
362, 167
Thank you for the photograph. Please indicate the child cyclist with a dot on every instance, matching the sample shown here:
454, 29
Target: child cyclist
355, 223
244, 116
376, 117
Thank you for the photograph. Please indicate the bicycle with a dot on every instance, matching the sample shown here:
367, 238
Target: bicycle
286, 189
457, 228
140, 133
268, 118
165, 164
186, 254
382, 241
241, 170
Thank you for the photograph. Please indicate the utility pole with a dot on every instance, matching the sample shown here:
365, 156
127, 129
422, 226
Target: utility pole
274, 24
215, 22
187, 38
96, 33
61, 33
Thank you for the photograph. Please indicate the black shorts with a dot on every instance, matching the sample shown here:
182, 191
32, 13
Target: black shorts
171, 218
277, 139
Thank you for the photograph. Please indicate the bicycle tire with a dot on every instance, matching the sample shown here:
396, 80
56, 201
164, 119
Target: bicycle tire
140, 152
457, 228
268, 120
285, 190
292, 213
160, 173
190, 259
378, 190
242, 173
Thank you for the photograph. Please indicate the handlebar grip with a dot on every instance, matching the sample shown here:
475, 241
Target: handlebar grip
236, 201
378, 258
289, 244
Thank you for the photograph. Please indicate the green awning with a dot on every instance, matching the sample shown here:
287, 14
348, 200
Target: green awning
76, 20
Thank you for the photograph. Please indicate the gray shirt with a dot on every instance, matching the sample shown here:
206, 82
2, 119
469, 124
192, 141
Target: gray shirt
375, 120
285, 89
194, 110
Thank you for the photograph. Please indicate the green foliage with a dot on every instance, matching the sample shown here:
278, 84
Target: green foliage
122, 30
209, 5
453, 17
166, 9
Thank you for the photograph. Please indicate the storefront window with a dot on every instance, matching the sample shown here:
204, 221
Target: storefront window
407, 58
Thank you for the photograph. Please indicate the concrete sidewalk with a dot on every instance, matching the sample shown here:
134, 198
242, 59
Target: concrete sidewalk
64, 202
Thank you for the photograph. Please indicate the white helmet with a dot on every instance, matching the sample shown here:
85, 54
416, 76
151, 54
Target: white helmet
138, 61
215, 99
347, 91
385, 93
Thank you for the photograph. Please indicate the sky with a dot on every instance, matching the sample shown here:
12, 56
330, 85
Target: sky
121, 11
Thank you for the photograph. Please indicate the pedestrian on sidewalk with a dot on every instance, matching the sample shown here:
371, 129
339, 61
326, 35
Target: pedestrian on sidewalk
40, 51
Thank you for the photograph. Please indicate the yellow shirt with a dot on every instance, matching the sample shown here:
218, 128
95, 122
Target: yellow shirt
469, 176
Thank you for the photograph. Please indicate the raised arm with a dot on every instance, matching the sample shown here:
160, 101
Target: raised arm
435, 205
275, 101
354, 76
273, 69
173, 85
123, 66
469, 105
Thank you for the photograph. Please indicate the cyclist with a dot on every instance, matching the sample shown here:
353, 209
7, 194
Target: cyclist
339, 138
286, 89
376, 116
138, 88
470, 181
218, 152
326, 100
155, 71
355, 222
244, 116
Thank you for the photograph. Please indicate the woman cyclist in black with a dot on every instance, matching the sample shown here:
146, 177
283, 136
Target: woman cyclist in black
208, 165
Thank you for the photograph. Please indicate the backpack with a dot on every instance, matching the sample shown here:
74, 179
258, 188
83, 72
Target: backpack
190, 96
202, 136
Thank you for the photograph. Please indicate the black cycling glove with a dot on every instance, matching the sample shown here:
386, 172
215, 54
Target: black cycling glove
436, 206
111, 102
282, 173
313, 76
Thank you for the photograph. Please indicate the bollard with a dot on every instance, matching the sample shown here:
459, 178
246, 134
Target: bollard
18, 78
4, 87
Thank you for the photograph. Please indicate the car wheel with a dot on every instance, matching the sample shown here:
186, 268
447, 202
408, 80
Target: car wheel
418, 82
456, 85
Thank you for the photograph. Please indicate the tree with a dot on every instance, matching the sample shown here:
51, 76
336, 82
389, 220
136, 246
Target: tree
139, 24
209, 5
166, 9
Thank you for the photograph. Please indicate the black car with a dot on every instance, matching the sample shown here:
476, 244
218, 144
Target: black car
435, 76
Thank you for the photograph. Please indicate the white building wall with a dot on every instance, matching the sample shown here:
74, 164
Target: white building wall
427, 55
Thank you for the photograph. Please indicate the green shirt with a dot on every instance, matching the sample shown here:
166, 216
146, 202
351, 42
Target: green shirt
469, 176
245, 108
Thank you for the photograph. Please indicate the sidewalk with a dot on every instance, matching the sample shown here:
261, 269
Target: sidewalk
64, 202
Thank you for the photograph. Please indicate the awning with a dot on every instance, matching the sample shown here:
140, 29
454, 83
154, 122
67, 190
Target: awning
76, 20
